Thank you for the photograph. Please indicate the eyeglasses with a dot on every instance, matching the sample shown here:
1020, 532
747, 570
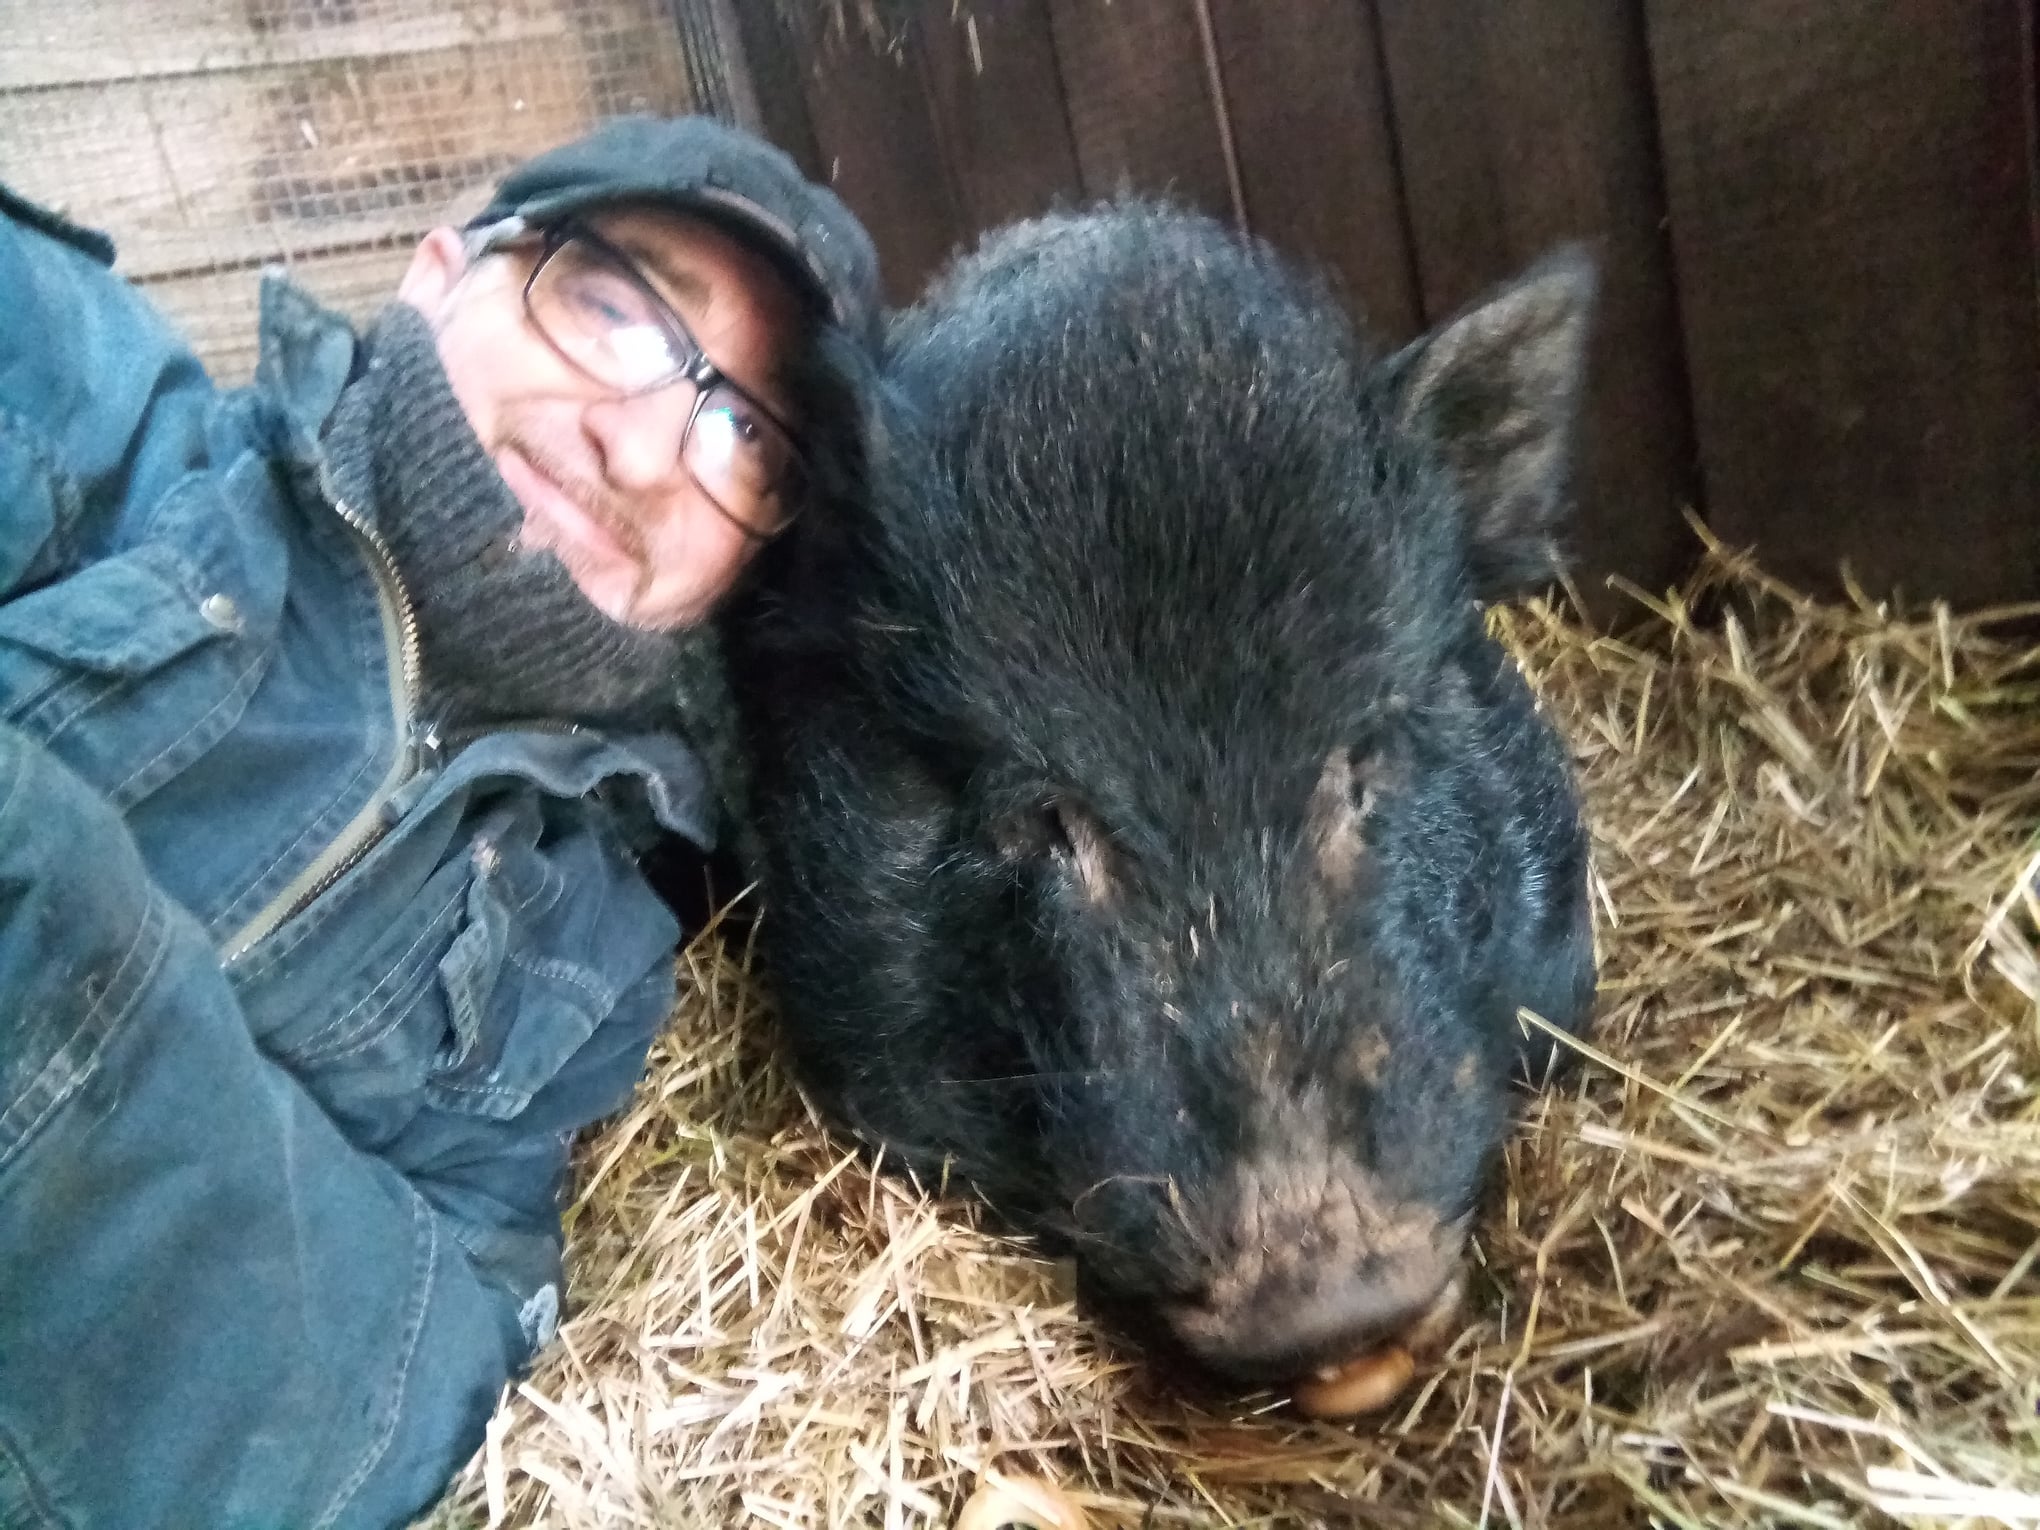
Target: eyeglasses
592, 305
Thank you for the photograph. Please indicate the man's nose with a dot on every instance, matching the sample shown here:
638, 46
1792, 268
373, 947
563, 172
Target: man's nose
641, 435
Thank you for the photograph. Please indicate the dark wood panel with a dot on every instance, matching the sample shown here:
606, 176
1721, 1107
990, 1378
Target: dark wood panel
769, 97
1308, 101
876, 141
1521, 124
1138, 89
1852, 212
998, 107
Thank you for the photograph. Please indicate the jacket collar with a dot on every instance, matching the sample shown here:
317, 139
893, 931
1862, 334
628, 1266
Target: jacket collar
306, 358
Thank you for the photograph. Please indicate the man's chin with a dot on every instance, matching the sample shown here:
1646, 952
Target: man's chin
609, 589
623, 603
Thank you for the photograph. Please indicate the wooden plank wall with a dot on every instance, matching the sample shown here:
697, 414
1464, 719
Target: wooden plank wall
1558, 149
1853, 217
1816, 224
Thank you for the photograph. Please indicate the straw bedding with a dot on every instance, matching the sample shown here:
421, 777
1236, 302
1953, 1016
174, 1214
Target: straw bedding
1771, 1256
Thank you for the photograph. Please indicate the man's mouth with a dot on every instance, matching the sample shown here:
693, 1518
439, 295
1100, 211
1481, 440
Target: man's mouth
555, 519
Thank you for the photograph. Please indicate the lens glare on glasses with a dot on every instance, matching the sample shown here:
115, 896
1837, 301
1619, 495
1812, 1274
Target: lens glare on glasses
605, 322
605, 319
742, 459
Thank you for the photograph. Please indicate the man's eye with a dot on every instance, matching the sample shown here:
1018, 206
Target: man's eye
743, 424
738, 423
728, 432
737, 447
603, 299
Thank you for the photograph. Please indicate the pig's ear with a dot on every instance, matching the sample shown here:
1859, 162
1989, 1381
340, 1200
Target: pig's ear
1496, 390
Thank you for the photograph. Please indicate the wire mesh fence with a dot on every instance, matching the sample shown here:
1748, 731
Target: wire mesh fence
212, 138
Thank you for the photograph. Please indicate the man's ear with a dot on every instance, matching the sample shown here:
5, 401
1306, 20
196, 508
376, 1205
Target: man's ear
1496, 390
437, 266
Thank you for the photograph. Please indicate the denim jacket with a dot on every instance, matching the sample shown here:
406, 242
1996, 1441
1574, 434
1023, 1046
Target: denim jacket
450, 947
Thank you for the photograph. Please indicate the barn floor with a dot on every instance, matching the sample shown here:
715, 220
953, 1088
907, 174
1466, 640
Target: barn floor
1770, 1257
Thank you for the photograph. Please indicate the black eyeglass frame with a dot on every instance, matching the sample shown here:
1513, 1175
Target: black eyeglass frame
702, 373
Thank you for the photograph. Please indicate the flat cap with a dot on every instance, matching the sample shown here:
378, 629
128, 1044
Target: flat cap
713, 171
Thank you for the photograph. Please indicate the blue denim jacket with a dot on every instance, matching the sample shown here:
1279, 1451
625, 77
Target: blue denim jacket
449, 951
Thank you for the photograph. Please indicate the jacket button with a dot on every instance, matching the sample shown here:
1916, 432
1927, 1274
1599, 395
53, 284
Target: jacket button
221, 612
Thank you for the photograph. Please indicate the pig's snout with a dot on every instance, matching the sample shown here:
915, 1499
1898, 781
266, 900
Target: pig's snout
1285, 1328
1306, 1285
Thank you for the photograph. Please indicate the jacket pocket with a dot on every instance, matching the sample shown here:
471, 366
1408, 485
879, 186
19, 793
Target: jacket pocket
522, 995
95, 665
124, 615
464, 969
471, 992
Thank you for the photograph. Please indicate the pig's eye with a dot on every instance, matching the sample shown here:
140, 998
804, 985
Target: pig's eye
1092, 857
1067, 833
1340, 806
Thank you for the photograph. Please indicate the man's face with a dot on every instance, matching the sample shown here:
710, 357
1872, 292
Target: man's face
599, 474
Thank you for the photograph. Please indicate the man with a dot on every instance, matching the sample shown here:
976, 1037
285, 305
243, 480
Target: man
332, 712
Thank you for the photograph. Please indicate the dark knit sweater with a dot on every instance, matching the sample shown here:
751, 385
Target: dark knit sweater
506, 636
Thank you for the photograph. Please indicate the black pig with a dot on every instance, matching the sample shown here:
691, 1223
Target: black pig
1151, 832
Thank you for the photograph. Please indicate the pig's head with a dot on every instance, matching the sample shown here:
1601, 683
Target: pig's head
1246, 833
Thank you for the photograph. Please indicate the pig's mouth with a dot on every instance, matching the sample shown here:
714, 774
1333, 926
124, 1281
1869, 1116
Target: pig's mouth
1336, 1374
1374, 1378
1342, 1372
1298, 1269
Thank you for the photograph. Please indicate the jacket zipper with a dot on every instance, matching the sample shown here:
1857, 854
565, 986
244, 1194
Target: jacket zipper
366, 829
